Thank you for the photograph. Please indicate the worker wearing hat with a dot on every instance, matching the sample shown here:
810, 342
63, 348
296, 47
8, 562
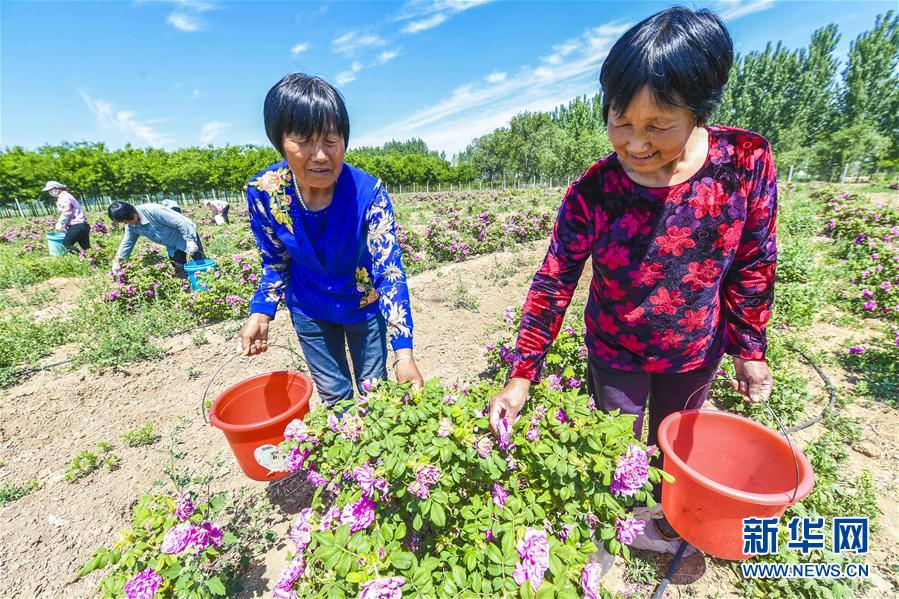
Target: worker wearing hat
72, 219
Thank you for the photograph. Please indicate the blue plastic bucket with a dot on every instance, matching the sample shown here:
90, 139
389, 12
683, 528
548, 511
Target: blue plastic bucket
54, 243
196, 266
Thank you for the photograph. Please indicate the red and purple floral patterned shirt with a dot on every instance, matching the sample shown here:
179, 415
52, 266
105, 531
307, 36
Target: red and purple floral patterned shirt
681, 274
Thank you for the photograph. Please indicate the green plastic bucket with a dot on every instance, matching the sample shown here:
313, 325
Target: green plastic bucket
54, 243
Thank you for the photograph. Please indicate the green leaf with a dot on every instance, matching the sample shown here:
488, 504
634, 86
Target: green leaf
471, 559
356, 577
344, 564
172, 571
342, 535
421, 577
216, 587
403, 561
494, 554
438, 516
546, 591
555, 565
459, 576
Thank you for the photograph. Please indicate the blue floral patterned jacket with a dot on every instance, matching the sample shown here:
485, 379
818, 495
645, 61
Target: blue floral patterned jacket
362, 271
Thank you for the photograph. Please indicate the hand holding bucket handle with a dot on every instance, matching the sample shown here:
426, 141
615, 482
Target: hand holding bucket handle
783, 429
231, 359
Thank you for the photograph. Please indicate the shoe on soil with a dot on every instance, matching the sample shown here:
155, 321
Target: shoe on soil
652, 538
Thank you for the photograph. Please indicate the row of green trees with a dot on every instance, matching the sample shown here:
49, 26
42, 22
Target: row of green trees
817, 116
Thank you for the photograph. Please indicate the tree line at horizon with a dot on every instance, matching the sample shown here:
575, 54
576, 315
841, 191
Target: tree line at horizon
817, 115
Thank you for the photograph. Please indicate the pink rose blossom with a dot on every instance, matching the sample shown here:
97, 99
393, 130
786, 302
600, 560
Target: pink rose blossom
591, 580
387, 587
177, 538
629, 529
185, 507
632, 472
505, 435
484, 446
284, 587
358, 515
499, 495
301, 532
144, 585
533, 555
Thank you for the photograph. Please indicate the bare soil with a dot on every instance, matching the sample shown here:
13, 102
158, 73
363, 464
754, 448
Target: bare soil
48, 535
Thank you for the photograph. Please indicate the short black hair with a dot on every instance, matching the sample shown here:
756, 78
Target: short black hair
306, 105
121, 211
684, 57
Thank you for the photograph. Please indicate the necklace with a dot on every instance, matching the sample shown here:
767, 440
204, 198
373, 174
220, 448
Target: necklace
296, 188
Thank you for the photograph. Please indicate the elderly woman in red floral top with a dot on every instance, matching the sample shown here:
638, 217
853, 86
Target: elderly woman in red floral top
679, 222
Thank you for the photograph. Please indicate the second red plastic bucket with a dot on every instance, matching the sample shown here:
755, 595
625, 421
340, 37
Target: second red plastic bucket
254, 413
726, 468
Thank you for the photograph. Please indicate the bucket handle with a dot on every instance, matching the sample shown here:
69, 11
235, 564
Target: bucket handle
780, 424
231, 359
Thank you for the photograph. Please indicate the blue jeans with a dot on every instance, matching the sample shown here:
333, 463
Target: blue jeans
324, 345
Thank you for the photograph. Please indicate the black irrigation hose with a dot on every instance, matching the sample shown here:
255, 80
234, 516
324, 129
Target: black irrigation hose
831, 390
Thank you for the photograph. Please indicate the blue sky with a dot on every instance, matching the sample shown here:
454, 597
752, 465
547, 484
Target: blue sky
180, 73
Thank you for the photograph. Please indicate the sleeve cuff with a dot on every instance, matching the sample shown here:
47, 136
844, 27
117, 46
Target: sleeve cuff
520, 371
746, 347
401, 343
266, 308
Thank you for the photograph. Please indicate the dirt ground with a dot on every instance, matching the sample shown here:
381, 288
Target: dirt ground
48, 535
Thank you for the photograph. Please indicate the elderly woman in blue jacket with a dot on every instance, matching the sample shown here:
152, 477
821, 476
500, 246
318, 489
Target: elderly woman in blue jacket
325, 232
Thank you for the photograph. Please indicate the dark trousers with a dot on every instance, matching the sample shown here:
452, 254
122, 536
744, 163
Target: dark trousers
225, 215
179, 259
628, 391
324, 346
80, 234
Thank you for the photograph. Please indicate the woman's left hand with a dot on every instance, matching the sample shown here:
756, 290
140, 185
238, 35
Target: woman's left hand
753, 379
407, 371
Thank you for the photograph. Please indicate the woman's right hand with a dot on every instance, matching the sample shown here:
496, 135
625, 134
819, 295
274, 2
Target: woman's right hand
508, 402
253, 336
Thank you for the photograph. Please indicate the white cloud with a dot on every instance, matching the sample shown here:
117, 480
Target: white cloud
299, 48
351, 43
418, 9
348, 76
476, 108
211, 130
187, 15
195, 94
386, 56
424, 24
496, 77
731, 10
427, 15
125, 123
185, 22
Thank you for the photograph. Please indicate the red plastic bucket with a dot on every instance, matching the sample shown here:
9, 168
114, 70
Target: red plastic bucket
727, 468
255, 411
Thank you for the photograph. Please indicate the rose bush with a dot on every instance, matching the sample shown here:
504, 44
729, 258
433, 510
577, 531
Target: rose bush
414, 495
869, 236
147, 278
189, 542
227, 290
566, 361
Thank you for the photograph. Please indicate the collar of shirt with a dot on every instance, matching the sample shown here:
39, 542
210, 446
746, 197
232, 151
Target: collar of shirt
143, 218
